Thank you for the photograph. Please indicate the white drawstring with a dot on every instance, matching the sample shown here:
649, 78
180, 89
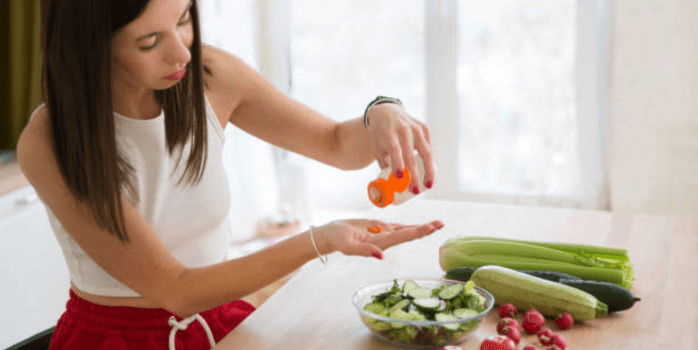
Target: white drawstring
182, 325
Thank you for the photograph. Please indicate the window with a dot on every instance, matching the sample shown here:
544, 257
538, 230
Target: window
343, 54
514, 91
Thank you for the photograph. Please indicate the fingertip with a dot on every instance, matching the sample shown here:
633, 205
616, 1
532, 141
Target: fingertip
378, 255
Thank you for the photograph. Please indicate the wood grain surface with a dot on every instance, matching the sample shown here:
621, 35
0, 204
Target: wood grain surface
314, 310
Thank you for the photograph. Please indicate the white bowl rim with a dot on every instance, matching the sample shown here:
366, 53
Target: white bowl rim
363, 312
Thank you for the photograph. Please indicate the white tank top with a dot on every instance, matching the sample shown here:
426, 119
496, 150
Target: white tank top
191, 221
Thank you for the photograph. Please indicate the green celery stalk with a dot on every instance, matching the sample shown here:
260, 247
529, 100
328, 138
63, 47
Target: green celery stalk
615, 276
584, 261
489, 247
614, 254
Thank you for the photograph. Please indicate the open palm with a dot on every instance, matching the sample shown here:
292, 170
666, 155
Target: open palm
352, 237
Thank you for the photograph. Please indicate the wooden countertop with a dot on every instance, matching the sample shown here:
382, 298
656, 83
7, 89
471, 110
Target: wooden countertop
314, 310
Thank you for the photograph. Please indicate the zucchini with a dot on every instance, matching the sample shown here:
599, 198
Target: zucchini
526, 292
464, 273
616, 297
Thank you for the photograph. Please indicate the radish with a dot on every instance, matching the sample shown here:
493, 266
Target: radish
498, 342
507, 322
507, 310
559, 341
544, 336
564, 321
533, 321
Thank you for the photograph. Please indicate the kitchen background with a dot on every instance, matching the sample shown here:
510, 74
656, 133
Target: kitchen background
574, 104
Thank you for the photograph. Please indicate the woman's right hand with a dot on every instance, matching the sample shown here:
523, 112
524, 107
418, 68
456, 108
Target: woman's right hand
352, 237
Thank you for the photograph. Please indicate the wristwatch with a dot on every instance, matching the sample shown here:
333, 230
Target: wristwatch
379, 100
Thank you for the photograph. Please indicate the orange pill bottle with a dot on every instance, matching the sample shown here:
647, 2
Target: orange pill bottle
389, 189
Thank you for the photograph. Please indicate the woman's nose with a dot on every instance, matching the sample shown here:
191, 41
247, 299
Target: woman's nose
179, 52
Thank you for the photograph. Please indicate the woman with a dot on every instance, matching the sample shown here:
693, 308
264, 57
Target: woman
126, 155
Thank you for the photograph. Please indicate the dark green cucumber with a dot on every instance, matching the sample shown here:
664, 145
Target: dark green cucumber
614, 296
464, 273
460, 273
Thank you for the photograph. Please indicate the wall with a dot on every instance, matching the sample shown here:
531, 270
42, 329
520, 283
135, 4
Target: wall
653, 139
34, 280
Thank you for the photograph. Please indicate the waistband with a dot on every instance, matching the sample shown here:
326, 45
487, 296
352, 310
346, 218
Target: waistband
121, 317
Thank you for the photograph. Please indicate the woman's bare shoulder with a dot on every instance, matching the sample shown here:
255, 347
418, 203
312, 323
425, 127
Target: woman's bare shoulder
225, 78
35, 137
35, 151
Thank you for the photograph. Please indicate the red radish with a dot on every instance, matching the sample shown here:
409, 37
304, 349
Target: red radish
564, 321
552, 347
498, 342
530, 347
512, 333
533, 321
559, 340
507, 322
507, 310
544, 336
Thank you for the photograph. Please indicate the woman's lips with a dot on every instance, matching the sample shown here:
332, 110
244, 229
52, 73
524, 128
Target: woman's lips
178, 75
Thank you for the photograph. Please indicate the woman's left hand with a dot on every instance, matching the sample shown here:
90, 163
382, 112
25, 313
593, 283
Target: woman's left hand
396, 135
358, 237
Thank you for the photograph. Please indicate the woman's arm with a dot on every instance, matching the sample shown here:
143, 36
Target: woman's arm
254, 105
145, 265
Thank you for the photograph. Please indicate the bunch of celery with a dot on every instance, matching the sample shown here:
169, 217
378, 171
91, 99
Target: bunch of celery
584, 261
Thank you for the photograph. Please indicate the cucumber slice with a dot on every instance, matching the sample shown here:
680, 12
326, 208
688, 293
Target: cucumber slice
401, 305
380, 326
451, 291
409, 285
416, 315
399, 315
464, 312
469, 286
428, 303
376, 308
420, 293
448, 317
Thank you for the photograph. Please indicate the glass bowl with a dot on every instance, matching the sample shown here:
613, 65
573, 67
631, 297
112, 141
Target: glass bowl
423, 334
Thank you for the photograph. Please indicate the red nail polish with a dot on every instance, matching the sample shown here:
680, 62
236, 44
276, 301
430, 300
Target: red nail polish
377, 255
415, 190
428, 184
398, 174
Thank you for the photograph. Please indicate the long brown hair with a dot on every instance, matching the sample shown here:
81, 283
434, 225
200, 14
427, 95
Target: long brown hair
76, 79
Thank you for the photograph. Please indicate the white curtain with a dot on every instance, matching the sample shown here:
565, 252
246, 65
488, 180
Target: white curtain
335, 56
232, 26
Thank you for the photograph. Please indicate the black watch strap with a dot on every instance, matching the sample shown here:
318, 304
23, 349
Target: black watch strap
379, 100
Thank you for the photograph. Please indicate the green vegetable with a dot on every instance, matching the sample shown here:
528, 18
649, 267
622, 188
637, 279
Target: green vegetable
420, 293
451, 291
584, 261
428, 303
412, 302
615, 297
464, 273
527, 292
